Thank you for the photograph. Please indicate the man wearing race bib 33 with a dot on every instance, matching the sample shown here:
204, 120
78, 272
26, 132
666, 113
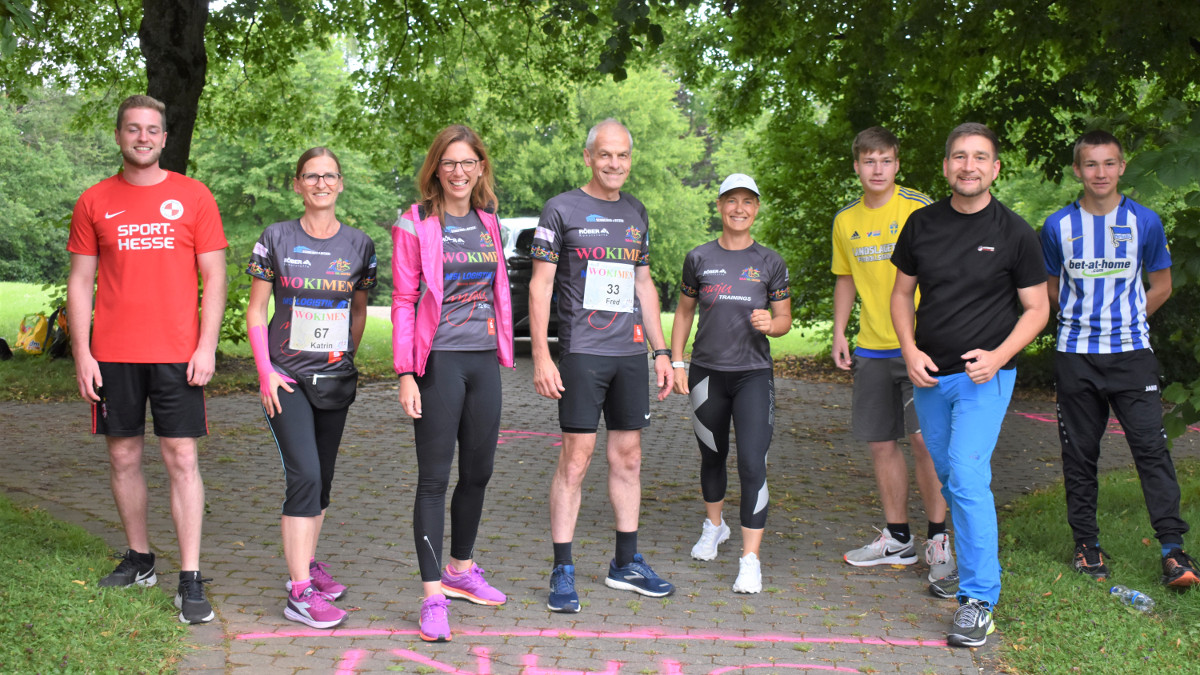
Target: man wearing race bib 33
592, 243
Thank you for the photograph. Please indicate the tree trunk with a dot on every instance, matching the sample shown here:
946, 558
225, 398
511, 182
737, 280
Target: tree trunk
172, 40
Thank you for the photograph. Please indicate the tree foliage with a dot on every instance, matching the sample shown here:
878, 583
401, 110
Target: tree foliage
537, 164
43, 169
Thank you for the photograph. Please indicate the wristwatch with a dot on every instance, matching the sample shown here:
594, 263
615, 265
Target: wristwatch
678, 364
662, 352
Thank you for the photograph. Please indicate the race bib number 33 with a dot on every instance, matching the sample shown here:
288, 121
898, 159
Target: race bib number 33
320, 330
609, 287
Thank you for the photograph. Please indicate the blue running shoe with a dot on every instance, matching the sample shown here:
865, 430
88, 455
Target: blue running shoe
563, 597
637, 577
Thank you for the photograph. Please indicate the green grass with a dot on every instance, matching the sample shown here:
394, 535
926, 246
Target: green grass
799, 341
38, 378
56, 619
1055, 620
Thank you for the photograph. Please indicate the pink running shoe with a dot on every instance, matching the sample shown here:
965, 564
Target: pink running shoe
325, 583
435, 619
312, 609
470, 585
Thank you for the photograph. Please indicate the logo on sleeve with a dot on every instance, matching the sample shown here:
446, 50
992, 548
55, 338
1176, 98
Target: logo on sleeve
171, 209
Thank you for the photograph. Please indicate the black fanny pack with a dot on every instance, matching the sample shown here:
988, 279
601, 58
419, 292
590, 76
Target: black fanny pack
329, 391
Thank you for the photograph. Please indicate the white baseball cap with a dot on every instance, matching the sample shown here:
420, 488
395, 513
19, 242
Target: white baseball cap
738, 180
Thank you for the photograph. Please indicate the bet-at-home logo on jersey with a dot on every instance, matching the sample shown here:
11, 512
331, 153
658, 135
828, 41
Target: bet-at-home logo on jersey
1100, 267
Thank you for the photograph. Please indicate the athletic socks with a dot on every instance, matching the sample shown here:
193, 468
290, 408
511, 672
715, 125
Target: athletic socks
562, 554
900, 532
298, 587
934, 529
626, 547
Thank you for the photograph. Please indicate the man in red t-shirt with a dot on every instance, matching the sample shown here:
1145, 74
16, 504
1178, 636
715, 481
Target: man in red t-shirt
141, 239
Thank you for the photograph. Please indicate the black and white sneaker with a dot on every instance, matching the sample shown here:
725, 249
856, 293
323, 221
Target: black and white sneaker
972, 624
190, 601
135, 569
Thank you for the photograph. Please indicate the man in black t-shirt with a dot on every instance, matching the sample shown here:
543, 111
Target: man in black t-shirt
983, 299
593, 244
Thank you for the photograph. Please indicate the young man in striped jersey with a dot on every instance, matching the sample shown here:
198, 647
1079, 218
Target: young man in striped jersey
1096, 250
864, 233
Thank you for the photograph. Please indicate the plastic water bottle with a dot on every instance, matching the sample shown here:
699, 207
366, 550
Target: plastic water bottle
1135, 599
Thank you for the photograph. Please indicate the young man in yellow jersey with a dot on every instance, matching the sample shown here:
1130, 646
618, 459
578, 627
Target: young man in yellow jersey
864, 233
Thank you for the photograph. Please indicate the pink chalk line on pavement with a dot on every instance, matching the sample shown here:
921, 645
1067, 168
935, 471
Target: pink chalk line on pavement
645, 634
1114, 425
529, 663
507, 435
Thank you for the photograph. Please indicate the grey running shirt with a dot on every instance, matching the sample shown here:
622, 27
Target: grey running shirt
597, 245
314, 281
729, 285
468, 321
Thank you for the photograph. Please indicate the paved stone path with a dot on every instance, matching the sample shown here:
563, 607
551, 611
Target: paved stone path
816, 613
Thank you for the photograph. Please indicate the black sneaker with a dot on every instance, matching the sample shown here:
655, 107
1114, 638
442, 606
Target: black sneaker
190, 601
1089, 560
946, 587
135, 569
972, 624
1179, 570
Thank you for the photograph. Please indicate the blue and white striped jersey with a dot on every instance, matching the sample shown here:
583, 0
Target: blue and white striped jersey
1099, 260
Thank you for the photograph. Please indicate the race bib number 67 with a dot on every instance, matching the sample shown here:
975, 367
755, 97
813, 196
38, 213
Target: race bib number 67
320, 330
609, 287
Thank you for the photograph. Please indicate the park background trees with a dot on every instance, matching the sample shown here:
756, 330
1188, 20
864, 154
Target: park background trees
774, 88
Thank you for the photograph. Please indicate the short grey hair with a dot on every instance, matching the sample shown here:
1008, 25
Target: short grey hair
590, 144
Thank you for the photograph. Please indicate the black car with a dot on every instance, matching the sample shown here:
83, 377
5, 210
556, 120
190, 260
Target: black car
517, 234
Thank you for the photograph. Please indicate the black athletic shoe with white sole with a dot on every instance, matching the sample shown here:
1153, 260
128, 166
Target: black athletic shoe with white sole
190, 601
135, 569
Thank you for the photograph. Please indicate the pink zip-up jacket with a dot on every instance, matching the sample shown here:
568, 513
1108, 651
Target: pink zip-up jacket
418, 290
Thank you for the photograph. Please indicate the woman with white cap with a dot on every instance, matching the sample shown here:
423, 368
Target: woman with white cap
741, 289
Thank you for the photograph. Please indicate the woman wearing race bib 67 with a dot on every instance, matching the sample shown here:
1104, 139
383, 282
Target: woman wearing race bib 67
741, 288
451, 324
318, 271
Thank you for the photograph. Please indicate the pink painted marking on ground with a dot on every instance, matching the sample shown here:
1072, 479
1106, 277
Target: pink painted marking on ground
789, 666
512, 434
483, 660
350, 660
643, 634
1114, 425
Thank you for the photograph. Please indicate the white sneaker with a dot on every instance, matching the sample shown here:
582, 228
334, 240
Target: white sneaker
939, 557
885, 550
749, 575
710, 538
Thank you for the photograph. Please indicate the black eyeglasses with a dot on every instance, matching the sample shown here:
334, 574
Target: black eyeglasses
313, 178
468, 165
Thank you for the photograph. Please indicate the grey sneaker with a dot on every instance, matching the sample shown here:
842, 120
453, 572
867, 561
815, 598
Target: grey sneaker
885, 550
190, 600
946, 587
972, 624
939, 556
710, 537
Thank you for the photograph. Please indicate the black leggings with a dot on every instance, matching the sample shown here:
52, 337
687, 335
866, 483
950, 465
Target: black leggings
747, 398
460, 401
308, 440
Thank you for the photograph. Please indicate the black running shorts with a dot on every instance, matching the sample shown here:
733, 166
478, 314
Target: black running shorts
176, 406
618, 385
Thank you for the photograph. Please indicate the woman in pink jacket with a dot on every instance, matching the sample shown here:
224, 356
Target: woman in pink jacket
452, 323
